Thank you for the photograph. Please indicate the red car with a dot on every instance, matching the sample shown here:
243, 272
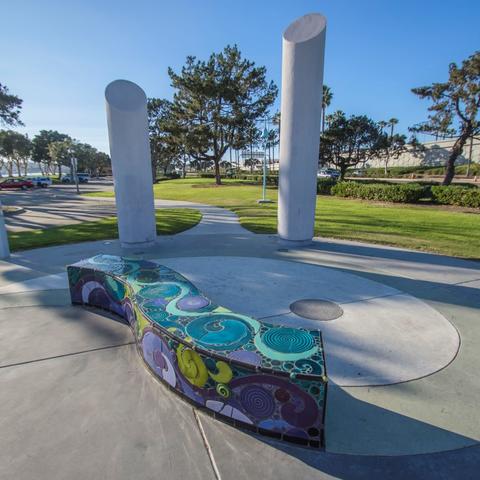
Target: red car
16, 183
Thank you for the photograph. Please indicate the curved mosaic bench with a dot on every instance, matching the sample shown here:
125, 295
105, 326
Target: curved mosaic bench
258, 376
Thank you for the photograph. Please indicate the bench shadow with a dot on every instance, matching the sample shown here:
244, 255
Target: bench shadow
380, 444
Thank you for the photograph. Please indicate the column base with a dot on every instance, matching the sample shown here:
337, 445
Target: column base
133, 245
285, 243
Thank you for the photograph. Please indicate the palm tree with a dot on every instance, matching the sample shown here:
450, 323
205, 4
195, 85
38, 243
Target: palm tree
382, 124
326, 100
392, 122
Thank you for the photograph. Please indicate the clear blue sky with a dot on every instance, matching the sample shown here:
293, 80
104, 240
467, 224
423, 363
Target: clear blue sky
59, 55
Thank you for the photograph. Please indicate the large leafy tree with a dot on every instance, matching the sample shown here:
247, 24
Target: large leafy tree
10, 106
15, 149
348, 142
217, 102
99, 163
166, 136
40, 151
454, 108
61, 153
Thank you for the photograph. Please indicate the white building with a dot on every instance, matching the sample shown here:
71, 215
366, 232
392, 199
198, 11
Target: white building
435, 154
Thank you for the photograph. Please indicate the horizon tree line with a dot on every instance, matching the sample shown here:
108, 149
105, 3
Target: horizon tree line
218, 102
49, 148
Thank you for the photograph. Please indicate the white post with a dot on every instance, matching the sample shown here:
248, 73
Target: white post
131, 164
4, 247
302, 83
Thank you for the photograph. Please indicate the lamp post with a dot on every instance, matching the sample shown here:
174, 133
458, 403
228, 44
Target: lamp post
264, 198
4, 247
73, 168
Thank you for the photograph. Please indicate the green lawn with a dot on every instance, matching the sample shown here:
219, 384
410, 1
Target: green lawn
428, 228
169, 222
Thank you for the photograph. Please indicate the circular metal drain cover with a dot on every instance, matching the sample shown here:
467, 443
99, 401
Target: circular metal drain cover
315, 309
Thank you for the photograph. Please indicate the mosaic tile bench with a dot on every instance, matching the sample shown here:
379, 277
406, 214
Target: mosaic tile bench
265, 378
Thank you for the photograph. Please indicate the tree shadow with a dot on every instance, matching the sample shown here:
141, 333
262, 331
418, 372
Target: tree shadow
392, 253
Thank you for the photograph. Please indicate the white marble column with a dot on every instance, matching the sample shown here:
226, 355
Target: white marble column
301, 106
4, 247
131, 164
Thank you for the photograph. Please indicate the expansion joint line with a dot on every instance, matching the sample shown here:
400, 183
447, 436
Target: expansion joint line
66, 355
216, 471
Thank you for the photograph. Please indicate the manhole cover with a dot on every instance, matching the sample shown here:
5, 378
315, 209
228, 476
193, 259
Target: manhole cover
315, 309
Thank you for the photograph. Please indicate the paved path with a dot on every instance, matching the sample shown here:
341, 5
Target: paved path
75, 401
58, 205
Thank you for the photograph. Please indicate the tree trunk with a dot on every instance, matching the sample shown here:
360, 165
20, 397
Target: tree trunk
59, 171
218, 180
454, 154
343, 171
154, 171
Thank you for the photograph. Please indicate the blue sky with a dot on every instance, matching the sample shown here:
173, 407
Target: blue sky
59, 55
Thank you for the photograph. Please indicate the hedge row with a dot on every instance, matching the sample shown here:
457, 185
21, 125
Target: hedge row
325, 185
379, 172
398, 193
467, 195
455, 195
271, 179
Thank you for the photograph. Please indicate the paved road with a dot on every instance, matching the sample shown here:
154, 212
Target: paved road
60, 205
56, 205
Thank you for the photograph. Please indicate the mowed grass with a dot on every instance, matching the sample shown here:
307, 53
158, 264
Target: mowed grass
427, 228
169, 221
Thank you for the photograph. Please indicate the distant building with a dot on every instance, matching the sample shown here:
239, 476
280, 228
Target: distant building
435, 154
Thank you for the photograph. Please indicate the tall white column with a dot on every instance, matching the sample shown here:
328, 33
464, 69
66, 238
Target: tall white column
302, 83
131, 164
4, 247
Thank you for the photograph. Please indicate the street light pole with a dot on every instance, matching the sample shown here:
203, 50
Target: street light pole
73, 168
4, 247
264, 182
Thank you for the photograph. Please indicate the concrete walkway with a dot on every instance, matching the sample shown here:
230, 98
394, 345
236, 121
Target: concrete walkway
75, 401
58, 205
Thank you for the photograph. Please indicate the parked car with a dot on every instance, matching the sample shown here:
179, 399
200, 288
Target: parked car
328, 173
359, 172
16, 182
82, 178
42, 182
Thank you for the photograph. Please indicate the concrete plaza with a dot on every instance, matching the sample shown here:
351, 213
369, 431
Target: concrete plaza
76, 401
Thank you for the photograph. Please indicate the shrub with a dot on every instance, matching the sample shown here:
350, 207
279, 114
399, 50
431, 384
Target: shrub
272, 180
324, 186
456, 195
399, 193
168, 176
